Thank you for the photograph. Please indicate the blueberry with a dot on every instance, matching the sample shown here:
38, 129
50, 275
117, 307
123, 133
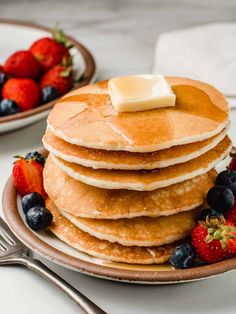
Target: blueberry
228, 179
38, 218
31, 200
49, 93
211, 213
36, 156
3, 79
183, 256
220, 198
8, 107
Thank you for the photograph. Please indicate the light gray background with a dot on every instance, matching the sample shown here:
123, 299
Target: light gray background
122, 35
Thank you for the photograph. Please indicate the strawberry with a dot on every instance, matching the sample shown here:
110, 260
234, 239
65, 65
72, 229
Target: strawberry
51, 51
59, 77
25, 92
231, 214
27, 177
214, 239
22, 64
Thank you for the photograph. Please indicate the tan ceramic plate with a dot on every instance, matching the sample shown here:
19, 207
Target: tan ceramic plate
20, 36
55, 250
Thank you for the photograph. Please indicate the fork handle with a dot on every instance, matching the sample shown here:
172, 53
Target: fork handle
88, 306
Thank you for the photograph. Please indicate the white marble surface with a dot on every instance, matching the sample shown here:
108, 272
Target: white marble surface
122, 36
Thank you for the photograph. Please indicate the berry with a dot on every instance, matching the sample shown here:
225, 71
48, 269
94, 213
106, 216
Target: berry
208, 212
49, 52
231, 214
8, 107
49, 93
214, 240
22, 64
183, 256
3, 78
220, 198
38, 218
27, 177
35, 156
31, 200
25, 92
59, 77
228, 179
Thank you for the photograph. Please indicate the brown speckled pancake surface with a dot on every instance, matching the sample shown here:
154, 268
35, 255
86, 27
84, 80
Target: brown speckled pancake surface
148, 180
89, 119
107, 159
82, 241
86, 201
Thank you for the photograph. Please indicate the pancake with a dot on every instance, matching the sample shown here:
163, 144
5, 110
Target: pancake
140, 231
144, 180
105, 159
79, 199
89, 120
63, 229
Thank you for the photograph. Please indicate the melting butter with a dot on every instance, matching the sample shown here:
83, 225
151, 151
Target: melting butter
140, 92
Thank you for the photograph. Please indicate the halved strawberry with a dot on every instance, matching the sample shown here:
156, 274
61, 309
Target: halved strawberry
27, 177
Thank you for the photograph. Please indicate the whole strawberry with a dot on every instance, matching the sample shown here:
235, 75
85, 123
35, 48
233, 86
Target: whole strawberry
22, 64
214, 239
59, 77
27, 176
51, 51
25, 92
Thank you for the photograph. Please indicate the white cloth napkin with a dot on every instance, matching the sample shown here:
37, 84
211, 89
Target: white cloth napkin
206, 52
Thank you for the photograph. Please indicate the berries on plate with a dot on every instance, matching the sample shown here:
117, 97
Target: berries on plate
8, 107
59, 77
22, 64
228, 179
220, 198
31, 200
215, 239
49, 93
27, 176
35, 156
183, 256
51, 51
25, 92
208, 212
38, 218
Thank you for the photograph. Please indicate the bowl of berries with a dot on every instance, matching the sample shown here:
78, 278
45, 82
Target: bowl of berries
37, 66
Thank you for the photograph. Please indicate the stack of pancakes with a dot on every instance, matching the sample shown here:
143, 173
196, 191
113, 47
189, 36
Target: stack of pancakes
126, 187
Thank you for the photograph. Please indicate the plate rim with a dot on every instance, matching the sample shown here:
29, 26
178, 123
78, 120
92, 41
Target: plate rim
15, 222
88, 75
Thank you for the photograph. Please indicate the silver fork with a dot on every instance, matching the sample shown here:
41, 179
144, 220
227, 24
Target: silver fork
12, 251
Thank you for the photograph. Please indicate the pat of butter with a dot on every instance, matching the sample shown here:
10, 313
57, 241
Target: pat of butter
140, 92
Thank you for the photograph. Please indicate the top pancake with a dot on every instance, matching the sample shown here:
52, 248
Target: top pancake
87, 118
